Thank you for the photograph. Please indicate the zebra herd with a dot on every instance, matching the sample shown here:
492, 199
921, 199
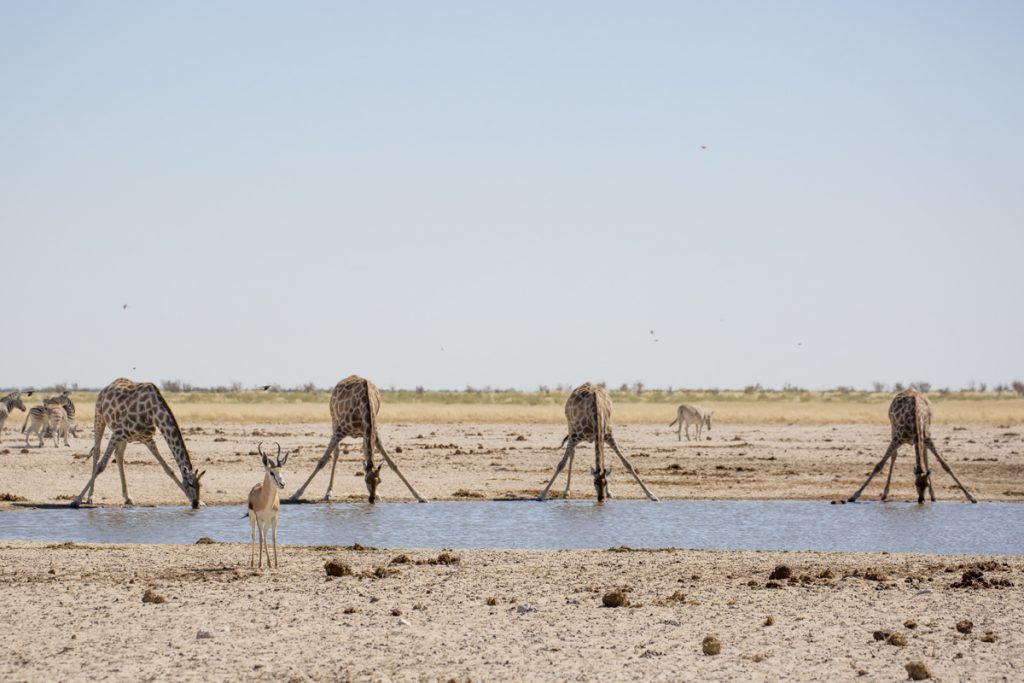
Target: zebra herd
54, 418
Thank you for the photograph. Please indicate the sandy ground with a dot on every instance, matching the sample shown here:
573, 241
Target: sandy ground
458, 461
75, 612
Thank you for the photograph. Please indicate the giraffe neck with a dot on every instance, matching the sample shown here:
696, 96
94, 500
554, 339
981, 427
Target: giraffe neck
168, 426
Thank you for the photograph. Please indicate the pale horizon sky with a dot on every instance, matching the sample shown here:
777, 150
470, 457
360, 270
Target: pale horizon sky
456, 193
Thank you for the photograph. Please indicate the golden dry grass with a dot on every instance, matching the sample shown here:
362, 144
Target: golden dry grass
993, 411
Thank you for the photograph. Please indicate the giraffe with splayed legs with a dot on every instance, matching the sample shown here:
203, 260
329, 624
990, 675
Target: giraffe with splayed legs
910, 415
134, 412
588, 413
355, 403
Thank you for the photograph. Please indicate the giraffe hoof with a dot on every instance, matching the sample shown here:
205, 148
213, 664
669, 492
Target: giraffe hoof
129, 503
75, 504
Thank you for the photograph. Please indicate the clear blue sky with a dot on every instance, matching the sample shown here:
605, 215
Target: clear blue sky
292, 192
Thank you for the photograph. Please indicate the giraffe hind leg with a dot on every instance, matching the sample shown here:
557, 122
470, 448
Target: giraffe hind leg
119, 457
888, 479
334, 465
568, 477
890, 452
111, 447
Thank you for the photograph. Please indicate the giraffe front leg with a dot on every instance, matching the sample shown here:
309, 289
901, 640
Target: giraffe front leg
394, 467
629, 468
319, 465
151, 445
569, 450
949, 471
98, 469
893, 445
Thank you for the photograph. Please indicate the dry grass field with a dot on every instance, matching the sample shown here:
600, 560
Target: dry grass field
651, 407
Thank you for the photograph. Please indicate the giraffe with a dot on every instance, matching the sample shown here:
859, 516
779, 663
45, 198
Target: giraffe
134, 413
910, 414
588, 412
355, 402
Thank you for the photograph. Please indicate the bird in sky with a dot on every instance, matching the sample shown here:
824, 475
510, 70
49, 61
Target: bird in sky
125, 307
703, 146
265, 387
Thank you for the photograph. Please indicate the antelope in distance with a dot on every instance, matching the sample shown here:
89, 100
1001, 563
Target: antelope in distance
265, 504
687, 415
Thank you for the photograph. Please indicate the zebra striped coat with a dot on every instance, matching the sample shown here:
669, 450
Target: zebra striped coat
49, 416
63, 400
7, 404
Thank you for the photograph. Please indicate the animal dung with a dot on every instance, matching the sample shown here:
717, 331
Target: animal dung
918, 670
152, 596
965, 626
617, 598
781, 572
711, 645
337, 568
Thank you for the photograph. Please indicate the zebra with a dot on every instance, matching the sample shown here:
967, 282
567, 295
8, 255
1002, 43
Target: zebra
49, 416
687, 415
9, 403
63, 400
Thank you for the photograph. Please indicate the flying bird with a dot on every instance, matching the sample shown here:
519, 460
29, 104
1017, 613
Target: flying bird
703, 146
266, 387
124, 307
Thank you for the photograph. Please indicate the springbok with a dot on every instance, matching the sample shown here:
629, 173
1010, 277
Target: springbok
687, 415
265, 503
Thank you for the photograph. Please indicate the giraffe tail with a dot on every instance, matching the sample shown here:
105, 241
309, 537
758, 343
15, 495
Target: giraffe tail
599, 433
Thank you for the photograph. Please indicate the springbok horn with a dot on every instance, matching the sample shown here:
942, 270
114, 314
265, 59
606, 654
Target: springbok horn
278, 451
260, 449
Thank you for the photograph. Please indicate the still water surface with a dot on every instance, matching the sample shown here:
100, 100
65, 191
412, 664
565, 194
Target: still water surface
945, 527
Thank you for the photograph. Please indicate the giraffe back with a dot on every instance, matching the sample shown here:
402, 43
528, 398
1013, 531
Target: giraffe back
129, 408
586, 404
910, 411
348, 405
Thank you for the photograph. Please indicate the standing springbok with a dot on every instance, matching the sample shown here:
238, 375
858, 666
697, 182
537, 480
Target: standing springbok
687, 415
265, 503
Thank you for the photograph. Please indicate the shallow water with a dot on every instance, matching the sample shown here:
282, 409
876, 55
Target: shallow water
949, 528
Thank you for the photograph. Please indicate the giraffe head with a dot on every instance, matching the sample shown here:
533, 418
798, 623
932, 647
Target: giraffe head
273, 465
191, 479
372, 478
921, 483
601, 483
